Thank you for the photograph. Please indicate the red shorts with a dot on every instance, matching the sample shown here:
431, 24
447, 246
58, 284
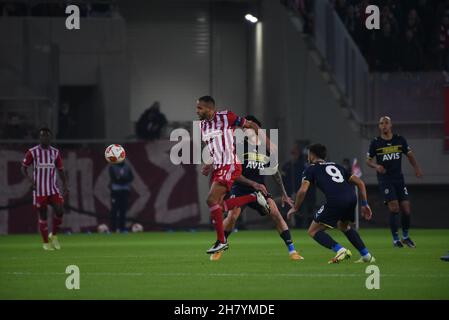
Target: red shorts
227, 174
43, 201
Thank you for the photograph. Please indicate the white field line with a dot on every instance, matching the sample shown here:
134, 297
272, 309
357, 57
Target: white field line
264, 275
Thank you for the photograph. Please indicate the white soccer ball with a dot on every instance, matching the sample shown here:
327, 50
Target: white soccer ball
136, 227
115, 153
102, 228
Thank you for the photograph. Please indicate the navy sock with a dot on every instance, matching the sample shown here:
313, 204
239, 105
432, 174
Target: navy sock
354, 237
326, 241
394, 221
405, 220
227, 234
285, 235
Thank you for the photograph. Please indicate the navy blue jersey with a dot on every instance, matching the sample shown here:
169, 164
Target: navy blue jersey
254, 163
333, 180
388, 153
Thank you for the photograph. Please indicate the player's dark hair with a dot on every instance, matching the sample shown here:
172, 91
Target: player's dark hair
254, 119
207, 99
45, 129
319, 150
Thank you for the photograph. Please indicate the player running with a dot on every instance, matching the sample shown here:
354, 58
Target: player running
388, 149
338, 210
253, 179
46, 160
217, 130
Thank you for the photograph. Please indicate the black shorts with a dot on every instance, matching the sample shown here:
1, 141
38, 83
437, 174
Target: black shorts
239, 190
330, 213
393, 190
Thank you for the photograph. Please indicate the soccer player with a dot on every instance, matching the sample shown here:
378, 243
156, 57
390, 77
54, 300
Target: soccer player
46, 160
253, 179
217, 130
338, 210
388, 149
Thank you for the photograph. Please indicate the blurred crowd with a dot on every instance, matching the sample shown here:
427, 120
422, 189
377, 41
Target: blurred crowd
413, 35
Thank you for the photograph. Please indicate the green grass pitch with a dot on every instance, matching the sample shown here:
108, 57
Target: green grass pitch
175, 266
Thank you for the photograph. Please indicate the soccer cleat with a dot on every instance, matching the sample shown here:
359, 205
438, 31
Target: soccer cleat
366, 259
217, 247
48, 247
409, 243
54, 241
445, 258
341, 255
216, 256
295, 256
262, 201
398, 244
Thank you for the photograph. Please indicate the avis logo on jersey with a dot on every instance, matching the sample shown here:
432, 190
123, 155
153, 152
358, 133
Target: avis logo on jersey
391, 156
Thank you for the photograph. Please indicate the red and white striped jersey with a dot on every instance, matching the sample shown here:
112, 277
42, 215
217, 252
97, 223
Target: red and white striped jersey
45, 162
218, 134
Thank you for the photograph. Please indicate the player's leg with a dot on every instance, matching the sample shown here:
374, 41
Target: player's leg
405, 221
391, 199
228, 225
114, 211
240, 201
41, 210
317, 232
216, 194
355, 239
393, 208
57, 202
327, 217
230, 221
123, 207
283, 230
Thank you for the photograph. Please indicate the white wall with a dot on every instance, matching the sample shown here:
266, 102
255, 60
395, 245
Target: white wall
297, 99
178, 54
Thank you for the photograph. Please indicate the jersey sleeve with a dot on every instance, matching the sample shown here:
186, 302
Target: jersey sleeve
405, 147
58, 162
372, 150
235, 120
308, 175
28, 160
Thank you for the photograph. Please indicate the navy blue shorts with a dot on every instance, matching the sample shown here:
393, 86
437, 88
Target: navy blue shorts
330, 213
393, 190
238, 190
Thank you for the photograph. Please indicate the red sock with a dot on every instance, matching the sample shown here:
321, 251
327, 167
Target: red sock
56, 223
216, 215
231, 203
43, 228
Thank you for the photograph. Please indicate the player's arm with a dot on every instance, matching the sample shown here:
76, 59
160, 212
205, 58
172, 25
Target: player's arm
207, 166
300, 196
370, 162
366, 210
25, 165
285, 198
24, 171
414, 163
247, 124
253, 184
62, 175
